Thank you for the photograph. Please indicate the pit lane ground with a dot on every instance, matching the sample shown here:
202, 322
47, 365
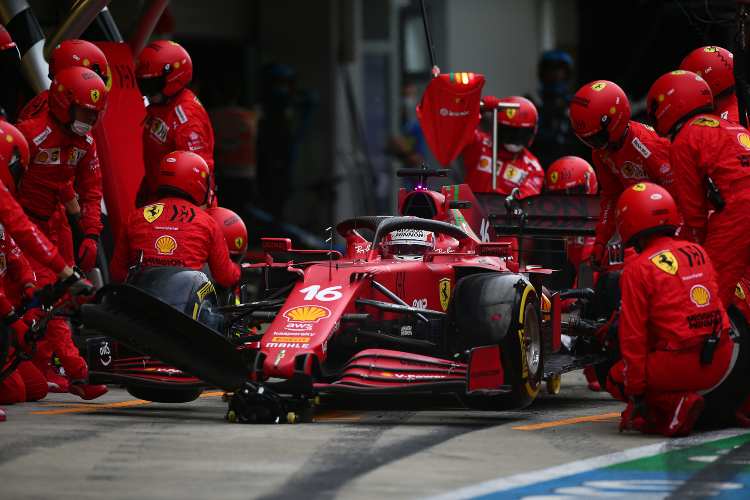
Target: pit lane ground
119, 447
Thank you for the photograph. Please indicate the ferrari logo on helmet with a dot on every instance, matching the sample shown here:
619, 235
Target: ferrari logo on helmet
153, 212
666, 262
744, 140
95, 95
739, 292
703, 121
444, 285
639, 187
165, 245
700, 296
679, 72
238, 241
553, 177
599, 86
510, 113
710, 49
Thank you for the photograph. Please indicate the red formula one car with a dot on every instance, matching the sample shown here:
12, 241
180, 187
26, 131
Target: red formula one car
455, 321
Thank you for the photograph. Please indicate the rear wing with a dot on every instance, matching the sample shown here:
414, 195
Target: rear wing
546, 215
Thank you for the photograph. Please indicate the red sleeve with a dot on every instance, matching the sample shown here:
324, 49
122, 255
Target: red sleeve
657, 165
610, 189
18, 267
196, 135
688, 185
633, 331
118, 267
89, 189
225, 272
26, 234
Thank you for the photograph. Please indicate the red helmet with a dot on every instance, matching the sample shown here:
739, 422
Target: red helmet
186, 173
163, 67
77, 95
6, 42
714, 64
14, 155
676, 96
408, 244
645, 209
80, 53
599, 113
235, 232
572, 175
516, 126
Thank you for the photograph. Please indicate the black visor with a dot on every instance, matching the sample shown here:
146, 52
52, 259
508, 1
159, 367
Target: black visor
597, 140
514, 135
15, 168
152, 86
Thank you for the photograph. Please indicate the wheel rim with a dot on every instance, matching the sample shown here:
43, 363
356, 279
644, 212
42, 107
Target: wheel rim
532, 341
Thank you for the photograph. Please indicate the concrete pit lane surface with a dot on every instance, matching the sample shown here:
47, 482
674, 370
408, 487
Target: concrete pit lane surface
564, 446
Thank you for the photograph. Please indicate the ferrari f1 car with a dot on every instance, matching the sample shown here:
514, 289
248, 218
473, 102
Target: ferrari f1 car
456, 321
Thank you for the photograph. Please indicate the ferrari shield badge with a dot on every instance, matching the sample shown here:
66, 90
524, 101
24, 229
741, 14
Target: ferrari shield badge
739, 292
444, 285
666, 262
153, 212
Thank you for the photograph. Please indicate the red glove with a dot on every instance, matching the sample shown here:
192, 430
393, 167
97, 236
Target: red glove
29, 289
489, 102
18, 329
87, 254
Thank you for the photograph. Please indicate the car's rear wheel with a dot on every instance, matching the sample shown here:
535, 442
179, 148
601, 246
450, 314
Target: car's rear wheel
160, 395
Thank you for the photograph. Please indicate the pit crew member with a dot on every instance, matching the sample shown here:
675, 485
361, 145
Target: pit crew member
517, 167
673, 330
624, 152
175, 119
63, 154
175, 231
716, 66
710, 158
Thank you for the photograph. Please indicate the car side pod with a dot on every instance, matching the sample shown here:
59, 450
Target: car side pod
485, 376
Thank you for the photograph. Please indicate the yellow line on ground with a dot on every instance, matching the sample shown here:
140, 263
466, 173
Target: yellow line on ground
567, 421
85, 408
211, 394
337, 416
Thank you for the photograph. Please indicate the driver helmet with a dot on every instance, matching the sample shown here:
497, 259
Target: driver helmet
408, 244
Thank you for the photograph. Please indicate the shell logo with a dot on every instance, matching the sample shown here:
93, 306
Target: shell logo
700, 295
8, 138
311, 314
744, 140
165, 245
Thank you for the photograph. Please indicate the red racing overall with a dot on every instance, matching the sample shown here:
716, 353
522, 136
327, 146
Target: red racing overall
670, 307
704, 147
642, 156
59, 158
174, 232
180, 124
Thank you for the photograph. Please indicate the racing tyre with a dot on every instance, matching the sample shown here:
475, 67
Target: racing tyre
164, 395
513, 298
